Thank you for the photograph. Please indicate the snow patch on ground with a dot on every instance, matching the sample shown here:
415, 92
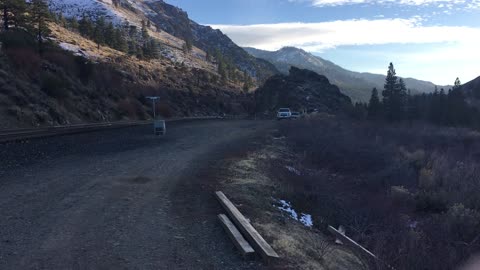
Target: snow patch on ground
293, 170
77, 50
286, 207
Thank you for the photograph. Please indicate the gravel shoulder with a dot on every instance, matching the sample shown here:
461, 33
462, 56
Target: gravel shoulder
120, 199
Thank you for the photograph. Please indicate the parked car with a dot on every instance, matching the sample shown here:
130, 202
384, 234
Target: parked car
284, 113
295, 115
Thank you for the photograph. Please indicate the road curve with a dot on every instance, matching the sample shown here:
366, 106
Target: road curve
119, 199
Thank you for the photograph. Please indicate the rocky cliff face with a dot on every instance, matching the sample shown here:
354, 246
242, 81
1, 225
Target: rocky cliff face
301, 90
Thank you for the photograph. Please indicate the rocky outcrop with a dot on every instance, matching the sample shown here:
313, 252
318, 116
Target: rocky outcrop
302, 89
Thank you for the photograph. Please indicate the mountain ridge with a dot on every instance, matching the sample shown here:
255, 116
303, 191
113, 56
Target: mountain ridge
357, 85
167, 19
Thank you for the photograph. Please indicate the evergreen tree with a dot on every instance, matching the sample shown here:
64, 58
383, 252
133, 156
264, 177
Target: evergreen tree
99, 31
110, 35
132, 48
374, 107
73, 23
132, 32
85, 27
13, 13
40, 17
120, 43
208, 56
187, 46
222, 71
457, 84
61, 20
145, 34
247, 82
394, 96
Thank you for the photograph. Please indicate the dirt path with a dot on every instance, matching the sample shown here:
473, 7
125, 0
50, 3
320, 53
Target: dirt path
119, 199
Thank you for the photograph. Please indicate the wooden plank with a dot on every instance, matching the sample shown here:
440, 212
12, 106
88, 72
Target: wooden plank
346, 240
237, 238
257, 241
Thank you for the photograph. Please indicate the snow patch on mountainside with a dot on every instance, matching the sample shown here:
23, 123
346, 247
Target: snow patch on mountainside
96, 8
78, 8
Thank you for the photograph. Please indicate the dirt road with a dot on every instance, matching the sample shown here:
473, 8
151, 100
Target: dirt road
119, 199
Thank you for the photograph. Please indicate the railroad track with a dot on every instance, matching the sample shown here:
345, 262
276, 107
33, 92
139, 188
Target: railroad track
32, 133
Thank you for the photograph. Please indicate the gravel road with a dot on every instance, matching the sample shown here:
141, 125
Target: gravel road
119, 199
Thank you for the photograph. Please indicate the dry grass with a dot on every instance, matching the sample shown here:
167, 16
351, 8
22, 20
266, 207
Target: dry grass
248, 183
106, 54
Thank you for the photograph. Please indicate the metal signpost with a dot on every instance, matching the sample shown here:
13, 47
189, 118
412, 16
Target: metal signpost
159, 126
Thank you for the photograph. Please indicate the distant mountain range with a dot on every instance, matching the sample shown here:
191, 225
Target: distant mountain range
356, 85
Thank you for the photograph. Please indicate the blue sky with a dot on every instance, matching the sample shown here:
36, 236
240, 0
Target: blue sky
435, 40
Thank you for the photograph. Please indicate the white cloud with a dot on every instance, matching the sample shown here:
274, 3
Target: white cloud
321, 3
454, 48
326, 35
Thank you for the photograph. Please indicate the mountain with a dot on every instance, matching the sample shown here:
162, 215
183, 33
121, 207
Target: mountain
302, 89
169, 23
175, 21
354, 84
472, 88
77, 78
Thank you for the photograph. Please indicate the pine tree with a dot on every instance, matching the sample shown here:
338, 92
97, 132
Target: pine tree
13, 13
208, 56
40, 16
187, 46
73, 23
457, 84
374, 107
132, 48
120, 43
85, 27
394, 96
110, 35
145, 34
99, 31
132, 32
247, 82
222, 71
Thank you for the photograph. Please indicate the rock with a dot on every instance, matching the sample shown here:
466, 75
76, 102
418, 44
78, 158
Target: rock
301, 90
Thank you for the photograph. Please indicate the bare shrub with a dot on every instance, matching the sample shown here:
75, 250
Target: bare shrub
127, 108
408, 193
25, 59
426, 179
164, 110
54, 85
321, 248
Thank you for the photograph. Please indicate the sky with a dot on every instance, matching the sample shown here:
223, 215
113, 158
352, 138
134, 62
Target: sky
433, 40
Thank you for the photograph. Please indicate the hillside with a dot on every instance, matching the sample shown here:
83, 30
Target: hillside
301, 90
77, 79
75, 82
472, 88
356, 85
171, 25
